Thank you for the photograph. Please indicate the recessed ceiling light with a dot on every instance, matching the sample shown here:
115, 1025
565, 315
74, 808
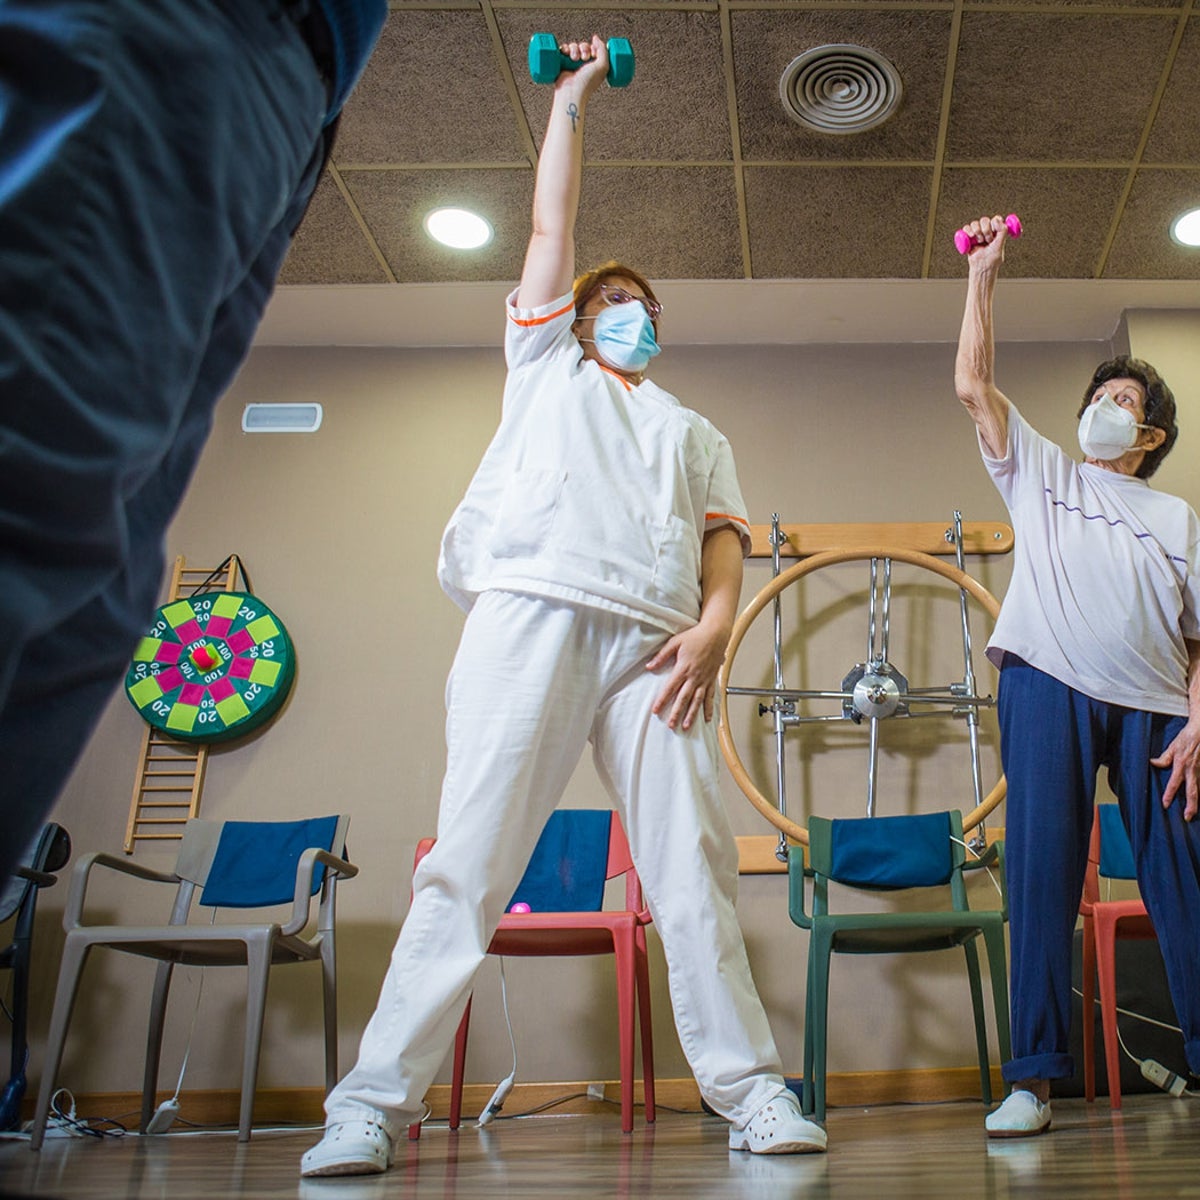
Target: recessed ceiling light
458, 228
1186, 228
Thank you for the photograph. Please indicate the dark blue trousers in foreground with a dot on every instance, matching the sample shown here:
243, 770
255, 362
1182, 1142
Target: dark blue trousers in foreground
155, 158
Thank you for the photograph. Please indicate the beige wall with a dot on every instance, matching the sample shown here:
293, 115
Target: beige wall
339, 532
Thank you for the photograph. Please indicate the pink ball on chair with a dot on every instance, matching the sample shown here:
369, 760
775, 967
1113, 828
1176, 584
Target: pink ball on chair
520, 907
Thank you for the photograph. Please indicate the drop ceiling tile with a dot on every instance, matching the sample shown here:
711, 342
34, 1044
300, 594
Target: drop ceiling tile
1173, 138
329, 246
1068, 87
431, 93
1066, 217
394, 204
1143, 248
667, 222
675, 110
836, 222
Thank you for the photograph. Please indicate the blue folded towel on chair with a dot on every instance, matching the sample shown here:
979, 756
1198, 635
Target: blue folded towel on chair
255, 862
569, 863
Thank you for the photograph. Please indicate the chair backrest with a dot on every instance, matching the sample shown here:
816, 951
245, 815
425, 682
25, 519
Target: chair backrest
252, 864
569, 864
1109, 853
578, 851
887, 853
1116, 854
46, 853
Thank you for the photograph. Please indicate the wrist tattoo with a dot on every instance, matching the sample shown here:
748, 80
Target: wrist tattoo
573, 113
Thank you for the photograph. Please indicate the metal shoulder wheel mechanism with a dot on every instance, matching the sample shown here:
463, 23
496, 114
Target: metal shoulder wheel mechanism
213, 667
872, 692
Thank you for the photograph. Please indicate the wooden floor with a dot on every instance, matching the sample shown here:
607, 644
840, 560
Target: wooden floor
896, 1152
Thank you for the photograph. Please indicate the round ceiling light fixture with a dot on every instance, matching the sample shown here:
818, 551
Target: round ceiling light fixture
840, 89
1185, 229
458, 228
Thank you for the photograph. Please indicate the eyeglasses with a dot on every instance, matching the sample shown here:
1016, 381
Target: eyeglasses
616, 295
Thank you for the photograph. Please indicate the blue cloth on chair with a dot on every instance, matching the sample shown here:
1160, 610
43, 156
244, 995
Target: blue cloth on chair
569, 863
892, 852
1116, 854
255, 861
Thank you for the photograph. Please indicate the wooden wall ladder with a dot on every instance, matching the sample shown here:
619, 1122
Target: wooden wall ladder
170, 775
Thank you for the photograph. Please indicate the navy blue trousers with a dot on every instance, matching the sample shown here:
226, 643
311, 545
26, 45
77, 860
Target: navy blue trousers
155, 159
1054, 740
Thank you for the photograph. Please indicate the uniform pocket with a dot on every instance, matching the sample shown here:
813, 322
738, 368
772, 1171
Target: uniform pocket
526, 514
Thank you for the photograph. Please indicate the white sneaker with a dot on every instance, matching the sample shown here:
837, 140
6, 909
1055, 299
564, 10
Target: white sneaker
779, 1127
358, 1147
1021, 1115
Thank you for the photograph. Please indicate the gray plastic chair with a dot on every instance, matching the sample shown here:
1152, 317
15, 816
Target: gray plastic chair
233, 864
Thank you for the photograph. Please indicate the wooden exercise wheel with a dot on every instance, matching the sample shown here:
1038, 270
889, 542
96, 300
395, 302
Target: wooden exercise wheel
874, 691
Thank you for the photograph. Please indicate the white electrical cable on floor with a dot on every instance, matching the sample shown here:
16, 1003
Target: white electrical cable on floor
496, 1103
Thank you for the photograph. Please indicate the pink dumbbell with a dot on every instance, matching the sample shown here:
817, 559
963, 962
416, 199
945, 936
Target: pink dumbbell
963, 241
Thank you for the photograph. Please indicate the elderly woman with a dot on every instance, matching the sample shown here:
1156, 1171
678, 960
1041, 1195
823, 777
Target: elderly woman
1098, 645
598, 553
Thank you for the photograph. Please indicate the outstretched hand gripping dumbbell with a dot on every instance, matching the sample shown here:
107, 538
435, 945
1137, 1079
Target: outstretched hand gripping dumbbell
963, 241
547, 61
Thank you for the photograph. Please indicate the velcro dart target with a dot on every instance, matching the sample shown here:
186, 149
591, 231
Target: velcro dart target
214, 667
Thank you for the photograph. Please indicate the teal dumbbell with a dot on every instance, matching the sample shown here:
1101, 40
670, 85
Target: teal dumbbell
547, 61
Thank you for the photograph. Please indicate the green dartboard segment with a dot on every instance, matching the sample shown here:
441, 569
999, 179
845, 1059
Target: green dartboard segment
213, 667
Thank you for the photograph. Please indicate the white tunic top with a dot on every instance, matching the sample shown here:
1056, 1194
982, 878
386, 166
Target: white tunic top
1106, 578
593, 490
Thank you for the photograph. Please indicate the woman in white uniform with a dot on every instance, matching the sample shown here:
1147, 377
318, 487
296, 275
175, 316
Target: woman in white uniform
598, 553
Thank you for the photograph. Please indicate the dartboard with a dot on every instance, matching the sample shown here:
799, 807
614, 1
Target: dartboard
213, 667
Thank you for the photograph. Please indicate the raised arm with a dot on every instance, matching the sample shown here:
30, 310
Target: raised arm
973, 368
550, 260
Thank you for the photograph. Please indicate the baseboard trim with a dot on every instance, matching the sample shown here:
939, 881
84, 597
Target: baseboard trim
300, 1106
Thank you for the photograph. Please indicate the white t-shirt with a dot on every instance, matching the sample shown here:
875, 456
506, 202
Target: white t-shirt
592, 490
1106, 578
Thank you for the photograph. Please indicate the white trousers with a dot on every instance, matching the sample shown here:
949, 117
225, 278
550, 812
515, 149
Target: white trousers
534, 680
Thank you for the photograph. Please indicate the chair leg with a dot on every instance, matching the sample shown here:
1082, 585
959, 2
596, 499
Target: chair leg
460, 1063
1106, 971
981, 1046
806, 1089
643, 988
154, 1036
815, 1021
258, 967
1088, 1009
74, 955
623, 952
329, 998
997, 956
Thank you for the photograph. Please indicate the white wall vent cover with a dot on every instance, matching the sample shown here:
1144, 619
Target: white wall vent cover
840, 89
281, 418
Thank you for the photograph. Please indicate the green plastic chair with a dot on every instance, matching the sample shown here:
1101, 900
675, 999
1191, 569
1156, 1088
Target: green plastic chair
887, 854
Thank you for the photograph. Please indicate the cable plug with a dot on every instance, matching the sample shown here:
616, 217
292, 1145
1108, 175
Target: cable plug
496, 1103
164, 1116
1163, 1078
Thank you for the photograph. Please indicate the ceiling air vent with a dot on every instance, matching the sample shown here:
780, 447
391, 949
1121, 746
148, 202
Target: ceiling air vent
840, 89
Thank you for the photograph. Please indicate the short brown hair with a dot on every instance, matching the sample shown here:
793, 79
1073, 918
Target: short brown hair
585, 286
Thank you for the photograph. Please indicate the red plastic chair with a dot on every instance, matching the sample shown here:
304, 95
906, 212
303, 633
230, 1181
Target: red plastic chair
621, 933
1104, 921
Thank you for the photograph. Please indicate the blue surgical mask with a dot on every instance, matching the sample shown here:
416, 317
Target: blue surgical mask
625, 336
